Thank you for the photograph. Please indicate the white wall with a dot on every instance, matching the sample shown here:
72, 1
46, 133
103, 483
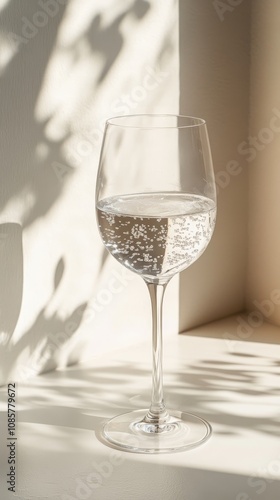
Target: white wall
214, 84
263, 280
63, 70
229, 74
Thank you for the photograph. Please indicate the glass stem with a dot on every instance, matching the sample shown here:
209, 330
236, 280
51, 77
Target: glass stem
157, 413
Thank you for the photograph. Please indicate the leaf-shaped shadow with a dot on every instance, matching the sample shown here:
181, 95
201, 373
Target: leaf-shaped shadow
41, 345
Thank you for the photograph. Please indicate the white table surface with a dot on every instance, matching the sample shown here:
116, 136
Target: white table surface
235, 387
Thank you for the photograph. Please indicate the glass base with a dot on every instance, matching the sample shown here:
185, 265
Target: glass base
130, 432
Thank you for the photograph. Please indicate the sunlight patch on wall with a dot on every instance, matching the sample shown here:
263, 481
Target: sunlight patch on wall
8, 50
3, 4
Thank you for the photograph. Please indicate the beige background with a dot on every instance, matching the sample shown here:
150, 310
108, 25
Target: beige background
214, 84
264, 169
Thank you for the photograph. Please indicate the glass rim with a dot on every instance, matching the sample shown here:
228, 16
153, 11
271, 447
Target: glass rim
193, 121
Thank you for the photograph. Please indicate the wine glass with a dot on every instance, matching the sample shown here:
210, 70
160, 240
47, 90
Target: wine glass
156, 211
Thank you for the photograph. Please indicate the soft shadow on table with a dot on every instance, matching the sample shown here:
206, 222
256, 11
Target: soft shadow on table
103, 392
70, 418
68, 408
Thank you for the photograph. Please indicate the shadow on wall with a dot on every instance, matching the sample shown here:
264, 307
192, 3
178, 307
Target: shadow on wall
108, 40
29, 185
11, 278
37, 350
22, 169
